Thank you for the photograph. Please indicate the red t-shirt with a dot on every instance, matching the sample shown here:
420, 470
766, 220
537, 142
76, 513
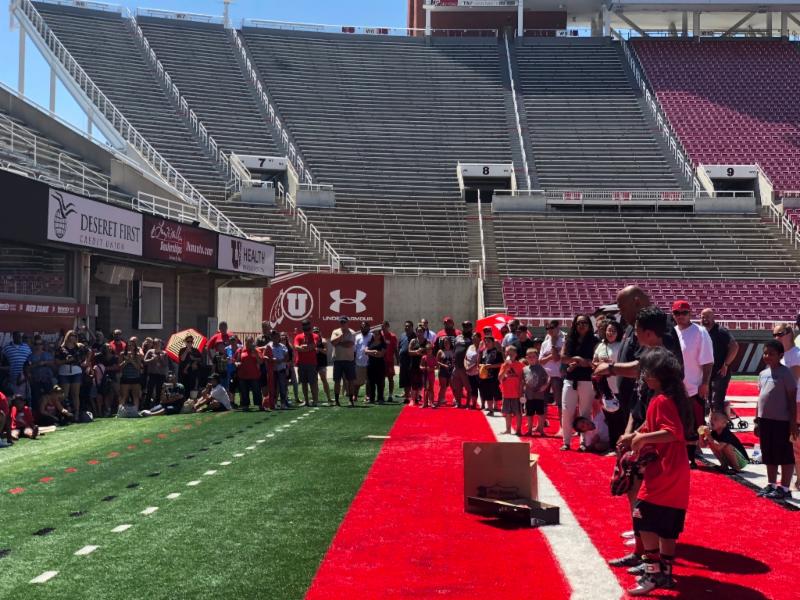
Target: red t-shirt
219, 337
249, 367
308, 357
666, 480
511, 379
4, 404
27, 417
117, 347
391, 348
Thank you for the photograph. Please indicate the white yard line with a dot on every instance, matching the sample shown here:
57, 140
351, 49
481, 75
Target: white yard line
225, 463
121, 528
211, 472
173, 495
194, 483
86, 550
586, 570
149, 510
44, 577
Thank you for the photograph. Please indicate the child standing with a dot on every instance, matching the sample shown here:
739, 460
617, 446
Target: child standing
776, 424
428, 367
535, 387
660, 508
512, 386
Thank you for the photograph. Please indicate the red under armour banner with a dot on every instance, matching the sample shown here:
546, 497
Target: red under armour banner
322, 298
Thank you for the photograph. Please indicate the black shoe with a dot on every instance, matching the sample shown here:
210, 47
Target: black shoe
766, 490
629, 560
564, 447
779, 494
649, 582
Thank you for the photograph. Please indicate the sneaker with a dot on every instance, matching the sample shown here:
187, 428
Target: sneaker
629, 560
649, 582
779, 493
767, 489
629, 542
564, 447
628, 534
638, 570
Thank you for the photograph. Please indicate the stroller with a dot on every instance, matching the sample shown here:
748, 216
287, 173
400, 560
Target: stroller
740, 422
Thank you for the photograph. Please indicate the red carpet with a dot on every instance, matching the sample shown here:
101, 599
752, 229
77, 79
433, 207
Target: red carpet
406, 534
735, 546
743, 388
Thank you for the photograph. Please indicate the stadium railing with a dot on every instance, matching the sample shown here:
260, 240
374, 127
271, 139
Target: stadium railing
186, 111
788, 229
180, 16
678, 152
282, 134
751, 34
516, 116
164, 207
621, 198
24, 9
737, 324
367, 29
40, 153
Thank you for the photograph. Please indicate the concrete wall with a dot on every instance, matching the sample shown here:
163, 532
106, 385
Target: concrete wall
197, 300
726, 205
241, 308
413, 297
525, 203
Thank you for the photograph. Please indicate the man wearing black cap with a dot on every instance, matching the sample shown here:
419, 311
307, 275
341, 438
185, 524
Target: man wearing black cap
343, 341
459, 381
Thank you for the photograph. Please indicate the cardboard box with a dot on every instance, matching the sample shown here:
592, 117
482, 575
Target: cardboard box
499, 470
531, 513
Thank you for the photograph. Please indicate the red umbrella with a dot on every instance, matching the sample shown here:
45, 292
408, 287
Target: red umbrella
177, 341
495, 321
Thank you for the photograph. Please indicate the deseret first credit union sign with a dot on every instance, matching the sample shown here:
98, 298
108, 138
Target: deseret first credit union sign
82, 222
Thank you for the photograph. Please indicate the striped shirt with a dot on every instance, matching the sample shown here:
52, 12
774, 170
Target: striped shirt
16, 355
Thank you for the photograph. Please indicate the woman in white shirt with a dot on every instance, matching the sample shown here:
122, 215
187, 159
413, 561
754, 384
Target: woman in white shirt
472, 367
608, 351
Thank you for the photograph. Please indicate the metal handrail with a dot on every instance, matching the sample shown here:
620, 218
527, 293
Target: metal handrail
180, 16
209, 212
182, 103
664, 125
21, 140
516, 117
165, 207
282, 134
366, 29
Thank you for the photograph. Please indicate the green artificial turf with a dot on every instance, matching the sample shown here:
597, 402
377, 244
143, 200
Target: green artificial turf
745, 378
258, 528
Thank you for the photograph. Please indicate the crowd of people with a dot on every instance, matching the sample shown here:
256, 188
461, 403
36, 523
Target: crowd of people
650, 387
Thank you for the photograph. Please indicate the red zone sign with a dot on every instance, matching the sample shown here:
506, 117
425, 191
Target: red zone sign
323, 298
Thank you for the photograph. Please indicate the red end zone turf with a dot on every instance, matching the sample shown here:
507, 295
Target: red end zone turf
734, 546
406, 534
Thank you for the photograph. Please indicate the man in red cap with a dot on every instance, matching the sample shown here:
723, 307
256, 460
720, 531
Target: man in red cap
698, 362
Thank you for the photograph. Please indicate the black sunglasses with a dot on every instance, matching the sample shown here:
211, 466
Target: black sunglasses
680, 312
781, 334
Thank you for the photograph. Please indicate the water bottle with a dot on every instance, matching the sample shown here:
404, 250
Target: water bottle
756, 459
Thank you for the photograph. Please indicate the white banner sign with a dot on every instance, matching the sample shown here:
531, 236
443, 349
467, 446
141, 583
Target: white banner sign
76, 220
485, 170
263, 163
731, 171
246, 256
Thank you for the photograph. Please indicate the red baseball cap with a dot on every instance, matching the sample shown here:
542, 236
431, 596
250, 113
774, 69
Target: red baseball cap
680, 306
447, 319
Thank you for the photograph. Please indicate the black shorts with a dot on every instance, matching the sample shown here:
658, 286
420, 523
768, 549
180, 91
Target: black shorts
474, 384
416, 378
666, 522
776, 448
534, 406
490, 390
344, 369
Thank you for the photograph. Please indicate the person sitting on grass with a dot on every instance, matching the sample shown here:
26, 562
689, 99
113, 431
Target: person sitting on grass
51, 409
776, 424
173, 396
5, 422
22, 423
512, 387
660, 509
728, 449
535, 387
214, 397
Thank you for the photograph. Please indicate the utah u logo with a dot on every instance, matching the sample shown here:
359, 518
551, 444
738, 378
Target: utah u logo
338, 301
294, 303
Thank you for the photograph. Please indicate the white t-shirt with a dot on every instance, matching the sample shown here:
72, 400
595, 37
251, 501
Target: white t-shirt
362, 342
219, 394
606, 352
552, 367
598, 439
791, 358
697, 351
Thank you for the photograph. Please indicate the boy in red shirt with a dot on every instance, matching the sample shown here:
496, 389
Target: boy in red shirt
305, 346
660, 508
512, 387
22, 424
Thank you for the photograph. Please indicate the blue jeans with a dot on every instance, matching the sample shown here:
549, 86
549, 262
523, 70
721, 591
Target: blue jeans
248, 387
281, 387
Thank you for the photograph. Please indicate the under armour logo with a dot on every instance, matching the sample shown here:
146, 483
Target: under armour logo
336, 296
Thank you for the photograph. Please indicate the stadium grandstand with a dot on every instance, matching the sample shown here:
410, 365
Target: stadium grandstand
497, 160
